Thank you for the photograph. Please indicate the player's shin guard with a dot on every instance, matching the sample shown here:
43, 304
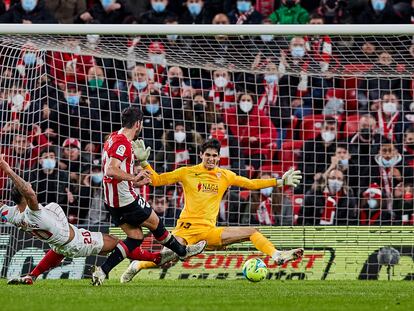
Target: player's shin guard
168, 240
50, 261
262, 243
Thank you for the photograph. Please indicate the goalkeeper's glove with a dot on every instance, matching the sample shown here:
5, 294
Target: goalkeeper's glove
290, 178
141, 153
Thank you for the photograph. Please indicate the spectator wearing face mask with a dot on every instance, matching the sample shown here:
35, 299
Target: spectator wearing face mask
270, 206
50, 183
362, 146
377, 12
253, 129
371, 210
91, 203
317, 153
389, 117
195, 13
341, 159
180, 148
105, 12
69, 67
153, 122
28, 12
158, 13
175, 94
198, 114
139, 85
334, 11
245, 13
30, 63
159, 202
331, 204
223, 91
72, 160
290, 12
157, 63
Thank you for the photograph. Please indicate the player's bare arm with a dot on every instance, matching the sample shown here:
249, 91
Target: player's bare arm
113, 170
25, 188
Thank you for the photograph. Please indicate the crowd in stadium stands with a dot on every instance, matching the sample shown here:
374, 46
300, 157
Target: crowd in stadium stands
353, 138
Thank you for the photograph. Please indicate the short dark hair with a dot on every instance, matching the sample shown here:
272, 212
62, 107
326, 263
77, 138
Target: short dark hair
130, 116
210, 143
330, 120
15, 195
316, 15
49, 149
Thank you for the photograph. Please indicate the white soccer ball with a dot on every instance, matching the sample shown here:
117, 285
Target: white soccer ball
254, 270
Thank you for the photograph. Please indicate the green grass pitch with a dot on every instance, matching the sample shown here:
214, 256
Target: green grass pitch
62, 295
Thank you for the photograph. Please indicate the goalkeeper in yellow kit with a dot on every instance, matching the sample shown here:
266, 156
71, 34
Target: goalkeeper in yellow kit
204, 186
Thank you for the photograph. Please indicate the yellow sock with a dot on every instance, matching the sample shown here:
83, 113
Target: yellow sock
146, 265
262, 243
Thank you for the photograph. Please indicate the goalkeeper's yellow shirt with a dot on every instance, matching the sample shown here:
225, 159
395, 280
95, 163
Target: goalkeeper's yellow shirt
204, 189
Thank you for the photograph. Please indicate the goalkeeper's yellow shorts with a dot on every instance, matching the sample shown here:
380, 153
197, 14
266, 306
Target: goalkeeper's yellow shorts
197, 232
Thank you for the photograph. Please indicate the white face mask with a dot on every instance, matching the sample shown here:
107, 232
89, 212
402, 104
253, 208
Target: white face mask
372, 203
158, 59
179, 137
267, 192
266, 38
328, 136
246, 106
220, 81
388, 163
389, 108
17, 101
335, 185
92, 39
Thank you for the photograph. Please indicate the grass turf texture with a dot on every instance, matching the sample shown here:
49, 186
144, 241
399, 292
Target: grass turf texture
208, 295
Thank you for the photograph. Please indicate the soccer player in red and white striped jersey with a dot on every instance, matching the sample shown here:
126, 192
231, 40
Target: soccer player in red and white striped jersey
128, 209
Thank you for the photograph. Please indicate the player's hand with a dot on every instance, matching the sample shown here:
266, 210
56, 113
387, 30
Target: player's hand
141, 153
143, 178
4, 166
291, 178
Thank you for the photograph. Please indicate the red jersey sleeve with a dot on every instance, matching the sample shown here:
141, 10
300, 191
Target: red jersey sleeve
120, 149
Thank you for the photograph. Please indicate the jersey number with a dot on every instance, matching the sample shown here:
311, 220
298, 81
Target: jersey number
87, 237
185, 225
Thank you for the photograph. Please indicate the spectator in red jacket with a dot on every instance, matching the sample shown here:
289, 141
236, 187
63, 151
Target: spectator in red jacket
253, 129
69, 67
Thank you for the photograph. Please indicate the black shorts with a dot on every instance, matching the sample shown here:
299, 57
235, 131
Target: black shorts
133, 214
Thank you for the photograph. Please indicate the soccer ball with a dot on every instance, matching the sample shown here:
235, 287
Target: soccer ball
255, 270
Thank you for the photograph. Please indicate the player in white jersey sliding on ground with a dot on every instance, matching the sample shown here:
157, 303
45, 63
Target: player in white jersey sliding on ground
129, 210
50, 224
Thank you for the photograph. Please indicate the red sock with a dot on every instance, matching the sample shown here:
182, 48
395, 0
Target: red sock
141, 254
50, 261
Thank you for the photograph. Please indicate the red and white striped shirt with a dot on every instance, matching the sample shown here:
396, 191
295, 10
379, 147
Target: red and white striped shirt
118, 193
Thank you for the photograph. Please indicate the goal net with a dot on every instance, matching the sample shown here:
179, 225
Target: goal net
335, 104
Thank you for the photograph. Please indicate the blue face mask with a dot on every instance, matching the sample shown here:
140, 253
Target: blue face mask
298, 52
194, 8
29, 59
267, 192
243, 6
106, 3
158, 6
73, 100
139, 85
378, 5
97, 178
152, 108
344, 162
271, 79
28, 5
48, 164
172, 37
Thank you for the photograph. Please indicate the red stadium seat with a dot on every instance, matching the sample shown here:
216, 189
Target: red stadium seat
351, 123
311, 125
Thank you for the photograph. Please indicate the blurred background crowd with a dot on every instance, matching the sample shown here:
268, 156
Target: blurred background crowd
340, 109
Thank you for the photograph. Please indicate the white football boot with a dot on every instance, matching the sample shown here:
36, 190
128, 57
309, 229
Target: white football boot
194, 249
286, 256
130, 272
23, 280
98, 276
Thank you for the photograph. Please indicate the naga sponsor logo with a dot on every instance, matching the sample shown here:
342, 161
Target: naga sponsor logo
208, 188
